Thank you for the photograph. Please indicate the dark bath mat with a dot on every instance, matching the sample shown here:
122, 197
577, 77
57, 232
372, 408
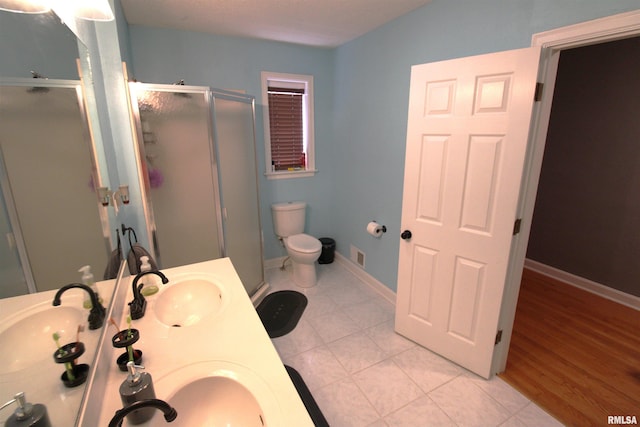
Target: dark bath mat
280, 312
309, 402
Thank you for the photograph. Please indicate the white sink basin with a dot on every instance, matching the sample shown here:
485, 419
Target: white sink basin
29, 338
217, 401
218, 393
187, 301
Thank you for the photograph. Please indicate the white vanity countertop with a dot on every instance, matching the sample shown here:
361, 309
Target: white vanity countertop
233, 339
40, 381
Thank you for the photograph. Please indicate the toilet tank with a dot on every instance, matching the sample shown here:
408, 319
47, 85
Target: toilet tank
288, 218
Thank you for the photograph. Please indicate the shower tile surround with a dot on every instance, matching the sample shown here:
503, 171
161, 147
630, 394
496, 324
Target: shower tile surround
361, 373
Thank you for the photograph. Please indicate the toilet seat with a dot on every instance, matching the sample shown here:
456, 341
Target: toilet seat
304, 243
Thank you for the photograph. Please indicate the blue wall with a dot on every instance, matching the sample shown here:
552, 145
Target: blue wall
362, 91
371, 101
36, 42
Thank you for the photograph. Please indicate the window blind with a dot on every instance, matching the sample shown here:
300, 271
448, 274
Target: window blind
286, 127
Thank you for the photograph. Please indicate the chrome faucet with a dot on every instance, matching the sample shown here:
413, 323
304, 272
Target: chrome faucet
97, 313
170, 413
139, 305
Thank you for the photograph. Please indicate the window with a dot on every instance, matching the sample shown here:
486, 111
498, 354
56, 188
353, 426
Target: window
288, 125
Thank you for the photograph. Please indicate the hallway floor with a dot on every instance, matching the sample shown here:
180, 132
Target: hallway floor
575, 352
361, 373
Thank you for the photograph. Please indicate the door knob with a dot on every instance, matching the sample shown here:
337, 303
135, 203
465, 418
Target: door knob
406, 235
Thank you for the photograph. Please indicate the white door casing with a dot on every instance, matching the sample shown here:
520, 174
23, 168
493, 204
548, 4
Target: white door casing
466, 143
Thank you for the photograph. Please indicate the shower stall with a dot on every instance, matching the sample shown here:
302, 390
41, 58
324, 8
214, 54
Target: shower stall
197, 172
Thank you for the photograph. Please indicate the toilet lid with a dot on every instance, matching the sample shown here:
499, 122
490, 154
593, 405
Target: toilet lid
304, 243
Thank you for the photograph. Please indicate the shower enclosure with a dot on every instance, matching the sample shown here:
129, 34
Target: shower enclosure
50, 218
197, 163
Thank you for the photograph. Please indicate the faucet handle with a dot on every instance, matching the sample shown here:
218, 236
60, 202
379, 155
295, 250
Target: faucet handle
97, 315
138, 307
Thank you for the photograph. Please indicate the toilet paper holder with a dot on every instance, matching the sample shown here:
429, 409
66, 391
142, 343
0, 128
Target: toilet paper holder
376, 229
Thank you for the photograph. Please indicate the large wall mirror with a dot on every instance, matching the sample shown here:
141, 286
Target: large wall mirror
51, 221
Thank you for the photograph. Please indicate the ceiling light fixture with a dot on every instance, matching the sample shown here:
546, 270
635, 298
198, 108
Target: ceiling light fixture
92, 10
25, 6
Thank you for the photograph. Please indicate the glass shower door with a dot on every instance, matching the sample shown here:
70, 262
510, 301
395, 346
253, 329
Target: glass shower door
234, 134
178, 172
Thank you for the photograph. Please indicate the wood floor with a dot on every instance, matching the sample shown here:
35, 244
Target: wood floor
575, 354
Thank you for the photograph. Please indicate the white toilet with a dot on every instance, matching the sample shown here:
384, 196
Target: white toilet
304, 250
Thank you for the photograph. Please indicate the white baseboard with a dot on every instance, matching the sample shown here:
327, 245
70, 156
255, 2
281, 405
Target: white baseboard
585, 284
376, 285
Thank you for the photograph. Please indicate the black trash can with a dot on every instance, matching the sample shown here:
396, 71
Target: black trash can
328, 250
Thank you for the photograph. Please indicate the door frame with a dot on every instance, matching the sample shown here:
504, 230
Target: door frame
552, 42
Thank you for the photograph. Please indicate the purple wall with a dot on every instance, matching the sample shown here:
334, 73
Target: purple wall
587, 215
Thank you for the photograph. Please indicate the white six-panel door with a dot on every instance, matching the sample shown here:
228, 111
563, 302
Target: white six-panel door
466, 142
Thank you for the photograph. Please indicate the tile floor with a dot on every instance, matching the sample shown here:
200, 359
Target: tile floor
362, 373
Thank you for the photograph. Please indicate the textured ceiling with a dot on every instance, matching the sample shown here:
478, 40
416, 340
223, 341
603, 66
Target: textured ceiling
323, 23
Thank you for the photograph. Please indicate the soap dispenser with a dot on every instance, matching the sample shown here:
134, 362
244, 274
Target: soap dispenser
27, 415
87, 279
137, 387
150, 280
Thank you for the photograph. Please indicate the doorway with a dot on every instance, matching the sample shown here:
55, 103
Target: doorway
553, 43
585, 218
573, 352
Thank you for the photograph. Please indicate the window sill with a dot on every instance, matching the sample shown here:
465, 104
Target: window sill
291, 174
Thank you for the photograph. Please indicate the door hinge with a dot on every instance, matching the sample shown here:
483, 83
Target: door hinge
516, 226
537, 97
498, 336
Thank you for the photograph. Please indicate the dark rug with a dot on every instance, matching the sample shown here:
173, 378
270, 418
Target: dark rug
280, 312
309, 402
